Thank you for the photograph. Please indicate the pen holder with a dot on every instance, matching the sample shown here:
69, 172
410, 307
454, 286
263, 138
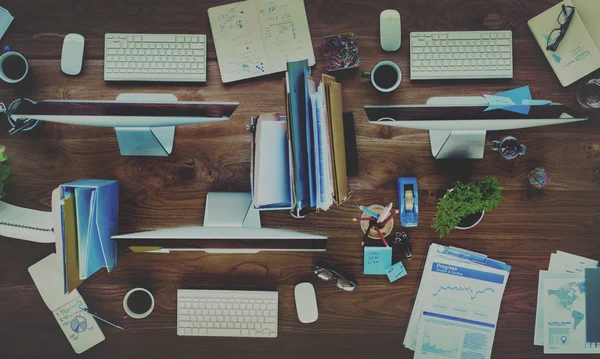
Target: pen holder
386, 230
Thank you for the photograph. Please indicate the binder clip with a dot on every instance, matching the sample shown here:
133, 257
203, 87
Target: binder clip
401, 240
408, 198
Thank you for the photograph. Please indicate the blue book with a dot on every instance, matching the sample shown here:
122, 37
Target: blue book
97, 208
298, 121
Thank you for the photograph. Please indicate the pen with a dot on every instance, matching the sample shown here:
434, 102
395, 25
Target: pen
362, 219
381, 236
385, 212
368, 211
389, 218
367, 232
97, 317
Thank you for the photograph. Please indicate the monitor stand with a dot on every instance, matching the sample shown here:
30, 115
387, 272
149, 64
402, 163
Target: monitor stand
469, 144
146, 141
230, 209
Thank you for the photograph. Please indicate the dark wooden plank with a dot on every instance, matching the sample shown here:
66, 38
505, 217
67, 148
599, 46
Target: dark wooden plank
170, 191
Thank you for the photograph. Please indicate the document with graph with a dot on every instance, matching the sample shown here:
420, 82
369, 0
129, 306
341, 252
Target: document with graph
258, 37
457, 305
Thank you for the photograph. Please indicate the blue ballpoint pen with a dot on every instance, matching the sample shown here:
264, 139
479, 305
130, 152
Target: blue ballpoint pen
97, 317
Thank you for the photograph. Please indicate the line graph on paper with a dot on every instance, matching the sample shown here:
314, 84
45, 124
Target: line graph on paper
473, 293
283, 31
445, 346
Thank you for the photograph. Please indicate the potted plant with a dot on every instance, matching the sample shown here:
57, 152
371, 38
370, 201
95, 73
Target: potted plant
464, 205
5, 170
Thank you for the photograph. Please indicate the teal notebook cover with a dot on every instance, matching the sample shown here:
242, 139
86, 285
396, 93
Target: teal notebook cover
298, 107
592, 305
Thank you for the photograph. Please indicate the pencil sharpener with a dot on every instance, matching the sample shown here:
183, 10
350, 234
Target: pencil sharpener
408, 198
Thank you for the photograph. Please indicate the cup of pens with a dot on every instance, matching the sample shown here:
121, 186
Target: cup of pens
376, 221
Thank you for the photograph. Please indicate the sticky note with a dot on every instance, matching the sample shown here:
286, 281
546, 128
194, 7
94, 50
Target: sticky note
396, 272
377, 260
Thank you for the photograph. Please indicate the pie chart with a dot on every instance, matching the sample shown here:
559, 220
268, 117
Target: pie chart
78, 324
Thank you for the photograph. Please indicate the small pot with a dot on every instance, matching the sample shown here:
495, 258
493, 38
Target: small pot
470, 221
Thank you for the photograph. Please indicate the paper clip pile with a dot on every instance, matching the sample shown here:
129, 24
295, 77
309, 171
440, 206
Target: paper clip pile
341, 52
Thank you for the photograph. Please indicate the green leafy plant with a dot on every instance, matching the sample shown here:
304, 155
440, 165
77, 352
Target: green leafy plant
5, 170
466, 199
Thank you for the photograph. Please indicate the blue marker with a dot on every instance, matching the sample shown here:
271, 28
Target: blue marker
368, 211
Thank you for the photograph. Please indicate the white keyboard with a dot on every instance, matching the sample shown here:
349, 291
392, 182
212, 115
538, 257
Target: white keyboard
151, 57
461, 55
227, 313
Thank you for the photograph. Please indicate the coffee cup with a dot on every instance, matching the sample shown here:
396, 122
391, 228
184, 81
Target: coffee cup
13, 66
385, 76
138, 303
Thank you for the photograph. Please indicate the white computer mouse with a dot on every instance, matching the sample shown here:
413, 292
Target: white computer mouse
306, 302
390, 30
71, 59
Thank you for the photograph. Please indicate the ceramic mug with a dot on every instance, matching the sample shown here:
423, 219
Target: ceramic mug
138, 303
13, 66
385, 76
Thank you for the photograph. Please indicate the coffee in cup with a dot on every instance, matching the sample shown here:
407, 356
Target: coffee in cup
13, 67
385, 76
138, 303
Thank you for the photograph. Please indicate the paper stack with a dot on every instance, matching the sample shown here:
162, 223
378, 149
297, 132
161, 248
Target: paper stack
567, 303
457, 305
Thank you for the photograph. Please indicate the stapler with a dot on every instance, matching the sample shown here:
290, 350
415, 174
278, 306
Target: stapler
408, 198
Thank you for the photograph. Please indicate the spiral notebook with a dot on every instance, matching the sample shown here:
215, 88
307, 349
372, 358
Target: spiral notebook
26, 224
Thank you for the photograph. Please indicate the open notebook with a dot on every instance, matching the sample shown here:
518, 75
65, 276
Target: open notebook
579, 52
257, 37
26, 224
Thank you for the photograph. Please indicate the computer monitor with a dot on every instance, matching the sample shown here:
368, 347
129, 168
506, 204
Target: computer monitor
457, 125
231, 225
144, 123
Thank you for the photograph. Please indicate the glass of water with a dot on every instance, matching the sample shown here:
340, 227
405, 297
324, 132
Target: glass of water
588, 95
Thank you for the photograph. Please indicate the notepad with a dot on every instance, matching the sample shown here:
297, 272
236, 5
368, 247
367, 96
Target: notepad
579, 51
26, 224
377, 260
78, 326
396, 272
256, 37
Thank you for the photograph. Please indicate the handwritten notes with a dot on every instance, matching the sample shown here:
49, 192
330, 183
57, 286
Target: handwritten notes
377, 260
258, 37
396, 272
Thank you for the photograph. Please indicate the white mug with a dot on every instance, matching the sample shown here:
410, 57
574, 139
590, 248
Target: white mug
371, 75
130, 312
3, 76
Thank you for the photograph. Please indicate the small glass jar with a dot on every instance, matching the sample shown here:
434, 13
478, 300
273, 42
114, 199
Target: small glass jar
509, 147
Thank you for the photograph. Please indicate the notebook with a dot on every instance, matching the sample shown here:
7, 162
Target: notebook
79, 327
87, 213
579, 51
257, 37
26, 224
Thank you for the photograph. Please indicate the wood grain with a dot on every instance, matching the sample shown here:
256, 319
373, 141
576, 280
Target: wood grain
170, 191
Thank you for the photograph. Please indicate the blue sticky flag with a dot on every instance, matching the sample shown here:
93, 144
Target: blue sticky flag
517, 96
377, 260
396, 272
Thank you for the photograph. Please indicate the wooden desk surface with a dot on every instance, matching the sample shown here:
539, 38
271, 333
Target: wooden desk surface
170, 191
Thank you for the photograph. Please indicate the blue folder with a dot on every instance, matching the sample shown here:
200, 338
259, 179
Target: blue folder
97, 208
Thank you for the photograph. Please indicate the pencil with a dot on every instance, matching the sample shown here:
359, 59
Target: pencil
385, 212
381, 236
367, 232
389, 218
368, 211
362, 219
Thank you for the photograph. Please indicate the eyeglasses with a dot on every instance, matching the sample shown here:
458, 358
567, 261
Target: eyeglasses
328, 275
564, 20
